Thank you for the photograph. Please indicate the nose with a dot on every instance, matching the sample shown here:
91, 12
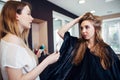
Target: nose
31, 18
83, 30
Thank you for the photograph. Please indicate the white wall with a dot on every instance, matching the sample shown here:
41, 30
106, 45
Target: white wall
61, 20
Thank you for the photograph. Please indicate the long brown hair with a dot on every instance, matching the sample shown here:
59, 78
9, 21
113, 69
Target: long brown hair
8, 21
9, 24
99, 48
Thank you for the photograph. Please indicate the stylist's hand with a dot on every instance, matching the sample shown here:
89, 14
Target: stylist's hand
52, 58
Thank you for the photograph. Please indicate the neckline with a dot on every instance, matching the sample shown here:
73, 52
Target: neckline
9, 43
91, 53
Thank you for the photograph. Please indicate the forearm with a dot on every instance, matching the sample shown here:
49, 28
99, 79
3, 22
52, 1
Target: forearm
52, 58
17, 74
66, 27
36, 71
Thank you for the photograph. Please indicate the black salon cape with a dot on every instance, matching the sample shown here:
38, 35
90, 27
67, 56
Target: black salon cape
89, 69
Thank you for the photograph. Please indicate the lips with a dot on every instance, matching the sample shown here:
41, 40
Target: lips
84, 36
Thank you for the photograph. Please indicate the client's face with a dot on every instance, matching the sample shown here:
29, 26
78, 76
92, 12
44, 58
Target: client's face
87, 30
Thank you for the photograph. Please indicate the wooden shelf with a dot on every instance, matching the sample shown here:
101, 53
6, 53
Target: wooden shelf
39, 34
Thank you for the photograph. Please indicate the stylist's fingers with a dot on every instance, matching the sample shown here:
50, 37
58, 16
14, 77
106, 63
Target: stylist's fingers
53, 57
57, 54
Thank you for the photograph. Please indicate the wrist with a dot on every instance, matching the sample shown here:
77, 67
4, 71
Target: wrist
77, 20
46, 60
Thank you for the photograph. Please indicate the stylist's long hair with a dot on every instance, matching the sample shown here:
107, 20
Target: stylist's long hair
99, 48
8, 21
